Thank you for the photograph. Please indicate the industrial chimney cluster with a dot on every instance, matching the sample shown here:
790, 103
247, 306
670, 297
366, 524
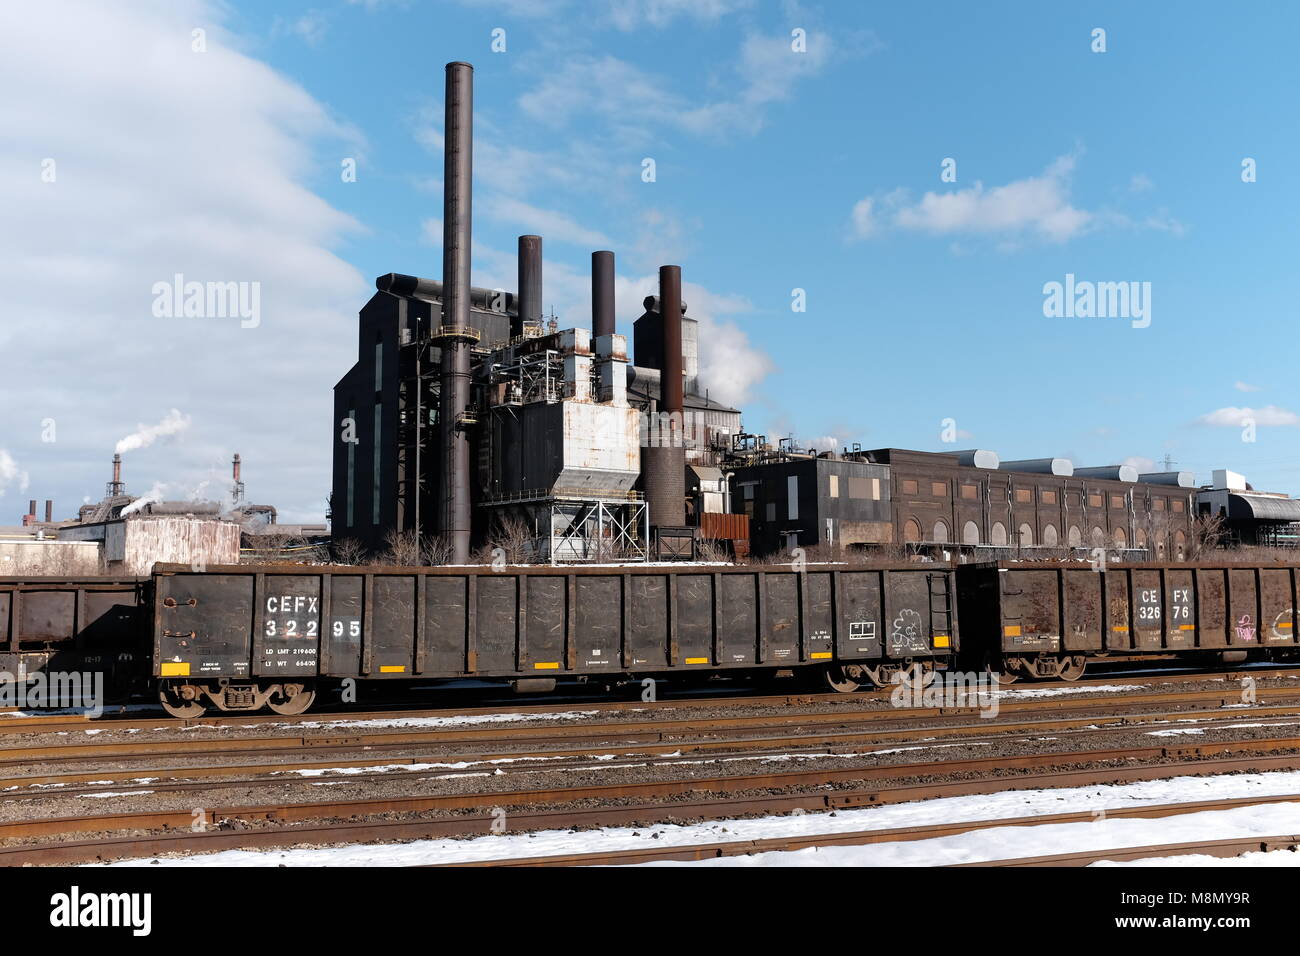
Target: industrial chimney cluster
471, 417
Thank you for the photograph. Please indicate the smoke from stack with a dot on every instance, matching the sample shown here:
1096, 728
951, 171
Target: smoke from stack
530, 285
458, 145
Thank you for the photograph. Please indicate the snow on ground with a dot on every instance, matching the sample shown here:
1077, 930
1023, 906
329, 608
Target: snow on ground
997, 843
1060, 691
1003, 843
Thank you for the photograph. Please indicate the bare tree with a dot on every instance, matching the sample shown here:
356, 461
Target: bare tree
1208, 535
347, 551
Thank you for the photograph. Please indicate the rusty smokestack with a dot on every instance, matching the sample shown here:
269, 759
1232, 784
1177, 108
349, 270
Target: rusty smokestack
115, 487
530, 285
31, 508
664, 460
458, 152
670, 317
49, 511
602, 293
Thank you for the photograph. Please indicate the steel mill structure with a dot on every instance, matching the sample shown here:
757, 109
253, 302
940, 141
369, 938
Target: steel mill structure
470, 418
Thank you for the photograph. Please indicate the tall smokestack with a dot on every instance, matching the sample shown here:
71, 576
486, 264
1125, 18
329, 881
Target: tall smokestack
602, 293
530, 284
664, 461
458, 151
115, 487
31, 508
670, 316
234, 468
49, 511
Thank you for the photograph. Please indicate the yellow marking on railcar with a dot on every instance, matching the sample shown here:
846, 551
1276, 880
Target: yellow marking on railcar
1123, 628
941, 640
697, 660
1186, 627
175, 669
392, 668
820, 655
547, 666
1011, 631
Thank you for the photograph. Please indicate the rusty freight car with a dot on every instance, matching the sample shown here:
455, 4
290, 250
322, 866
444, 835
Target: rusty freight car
240, 639
1048, 620
66, 625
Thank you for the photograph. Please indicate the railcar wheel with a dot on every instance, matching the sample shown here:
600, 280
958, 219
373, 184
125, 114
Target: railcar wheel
175, 705
1072, 668
993, 667
292, 706
841, 680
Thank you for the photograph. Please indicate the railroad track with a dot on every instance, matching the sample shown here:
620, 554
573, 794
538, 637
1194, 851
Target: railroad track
742, 847
691, 800
28, 724
616, 753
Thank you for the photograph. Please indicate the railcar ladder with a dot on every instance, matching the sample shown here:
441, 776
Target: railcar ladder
940, 605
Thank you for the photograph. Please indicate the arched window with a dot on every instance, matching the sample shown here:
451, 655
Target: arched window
1121, 539
1073, 537
1098, 538
1160, 548
970, 533
1140, 538
911, 531
1026, 536
940, 532
1180, 544
998, 533
1050, 539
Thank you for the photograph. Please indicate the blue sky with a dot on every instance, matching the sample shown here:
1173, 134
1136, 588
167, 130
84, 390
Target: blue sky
775, 170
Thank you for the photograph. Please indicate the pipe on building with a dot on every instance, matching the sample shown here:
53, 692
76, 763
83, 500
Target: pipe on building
458, 148
602, 293
1041, 466
978, 458
1112, 472
530, 285
664, 461
489, 300
1181, 479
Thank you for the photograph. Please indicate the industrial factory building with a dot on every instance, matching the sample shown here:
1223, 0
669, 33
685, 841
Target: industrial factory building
470, 419
963, 502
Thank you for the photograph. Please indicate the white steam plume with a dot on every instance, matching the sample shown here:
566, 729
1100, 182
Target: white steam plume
145, 435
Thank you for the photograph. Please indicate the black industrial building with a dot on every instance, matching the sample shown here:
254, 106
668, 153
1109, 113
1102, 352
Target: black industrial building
467, 416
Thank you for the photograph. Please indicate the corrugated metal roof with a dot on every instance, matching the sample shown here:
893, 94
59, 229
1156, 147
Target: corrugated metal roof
1263, 507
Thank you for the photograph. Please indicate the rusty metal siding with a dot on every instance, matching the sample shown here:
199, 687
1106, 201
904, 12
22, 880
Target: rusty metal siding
451, 622
1136, 609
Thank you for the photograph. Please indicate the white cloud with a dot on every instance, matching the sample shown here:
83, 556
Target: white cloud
1144, 466
545, 222
167, 161
1246, 387
1232, 417
1036, 205
631, 14
635, 105
10, 474
1140, 183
